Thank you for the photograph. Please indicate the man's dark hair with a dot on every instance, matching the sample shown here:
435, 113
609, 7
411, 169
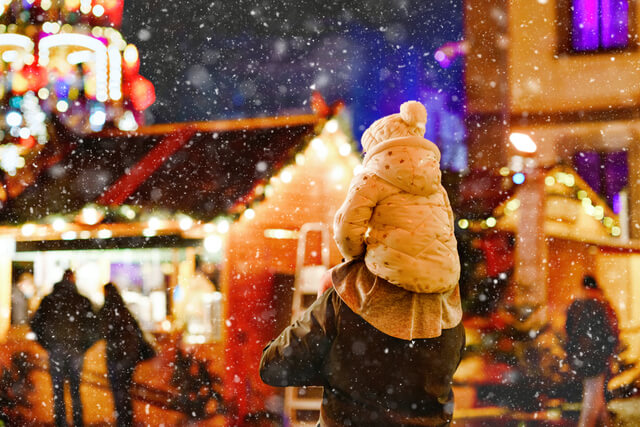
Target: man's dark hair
589, 282
68, 275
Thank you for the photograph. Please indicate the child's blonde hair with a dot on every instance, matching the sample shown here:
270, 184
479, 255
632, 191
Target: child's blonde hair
411, 121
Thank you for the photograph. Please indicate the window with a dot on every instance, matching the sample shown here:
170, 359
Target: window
599, 24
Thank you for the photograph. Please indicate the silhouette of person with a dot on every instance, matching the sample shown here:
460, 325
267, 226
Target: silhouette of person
63, 324
592, 338
126, 347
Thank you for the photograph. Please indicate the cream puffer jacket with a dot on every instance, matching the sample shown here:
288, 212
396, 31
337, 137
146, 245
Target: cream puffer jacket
398, 215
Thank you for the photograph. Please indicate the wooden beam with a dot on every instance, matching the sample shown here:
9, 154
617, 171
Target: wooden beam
141, 171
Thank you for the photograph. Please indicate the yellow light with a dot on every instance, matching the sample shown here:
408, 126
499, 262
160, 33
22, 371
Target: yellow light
582, 194
43, 93
249, 213
279, 233
128, 212
286, 176
300, 159
607, 221
20, 84
69, 235
45, 4
337, 173
586, 202
154, 223
72, 4
549, 181
85, 6
332, 126
213, 243
28, 229
59, 224
97, 31
615, 231
505, 171
104, 233
185, 223
491, 222
523, 142
569, 180
513, 204
149, 232
463, 224
345, 149
90, 215
130, 54
599, 213
319, 147
223, 226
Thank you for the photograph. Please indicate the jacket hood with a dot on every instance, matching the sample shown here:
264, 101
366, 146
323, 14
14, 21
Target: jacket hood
411, 163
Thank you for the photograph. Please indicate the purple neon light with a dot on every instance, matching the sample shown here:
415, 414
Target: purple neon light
600, 24
614, 23
585, 25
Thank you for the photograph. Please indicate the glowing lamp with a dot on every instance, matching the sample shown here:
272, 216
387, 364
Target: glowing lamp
213, 243
19, 84
13, 118
523, 142
72, 5
142, 94
131, 63
131, 54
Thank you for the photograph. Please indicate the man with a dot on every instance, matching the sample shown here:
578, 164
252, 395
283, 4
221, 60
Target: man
63, 325
592, 339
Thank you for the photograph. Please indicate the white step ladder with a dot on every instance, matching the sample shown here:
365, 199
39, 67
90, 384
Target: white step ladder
302, 404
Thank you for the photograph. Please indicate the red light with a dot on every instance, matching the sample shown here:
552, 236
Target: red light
142, 94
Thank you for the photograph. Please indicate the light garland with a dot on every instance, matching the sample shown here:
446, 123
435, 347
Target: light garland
559, 177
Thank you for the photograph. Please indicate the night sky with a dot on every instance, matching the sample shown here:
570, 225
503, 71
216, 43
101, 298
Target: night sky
219, 59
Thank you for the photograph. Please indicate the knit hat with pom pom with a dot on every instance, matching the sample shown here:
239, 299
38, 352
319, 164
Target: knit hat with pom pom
411, 121
414, 113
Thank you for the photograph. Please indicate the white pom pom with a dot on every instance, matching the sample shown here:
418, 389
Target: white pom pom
413, 113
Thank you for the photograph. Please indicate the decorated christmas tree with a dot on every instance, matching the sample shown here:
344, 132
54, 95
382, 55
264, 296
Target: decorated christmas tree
64, 63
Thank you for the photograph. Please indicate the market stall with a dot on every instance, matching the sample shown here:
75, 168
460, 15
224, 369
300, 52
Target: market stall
159, 227
582, 236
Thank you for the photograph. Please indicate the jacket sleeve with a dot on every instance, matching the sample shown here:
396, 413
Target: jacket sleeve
352, 219
297, 355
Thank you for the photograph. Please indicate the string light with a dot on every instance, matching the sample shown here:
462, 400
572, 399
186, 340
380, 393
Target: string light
28, 229
213, 243
185, 223
249, 214
286, 176
59, 224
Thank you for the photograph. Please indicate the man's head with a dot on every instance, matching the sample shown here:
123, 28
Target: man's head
589, 282
69, 276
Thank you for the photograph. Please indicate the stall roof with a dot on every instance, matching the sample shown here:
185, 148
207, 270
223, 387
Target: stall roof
573, 210
202, 169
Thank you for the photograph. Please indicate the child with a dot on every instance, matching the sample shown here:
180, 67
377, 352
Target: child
385, 340
398, 220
